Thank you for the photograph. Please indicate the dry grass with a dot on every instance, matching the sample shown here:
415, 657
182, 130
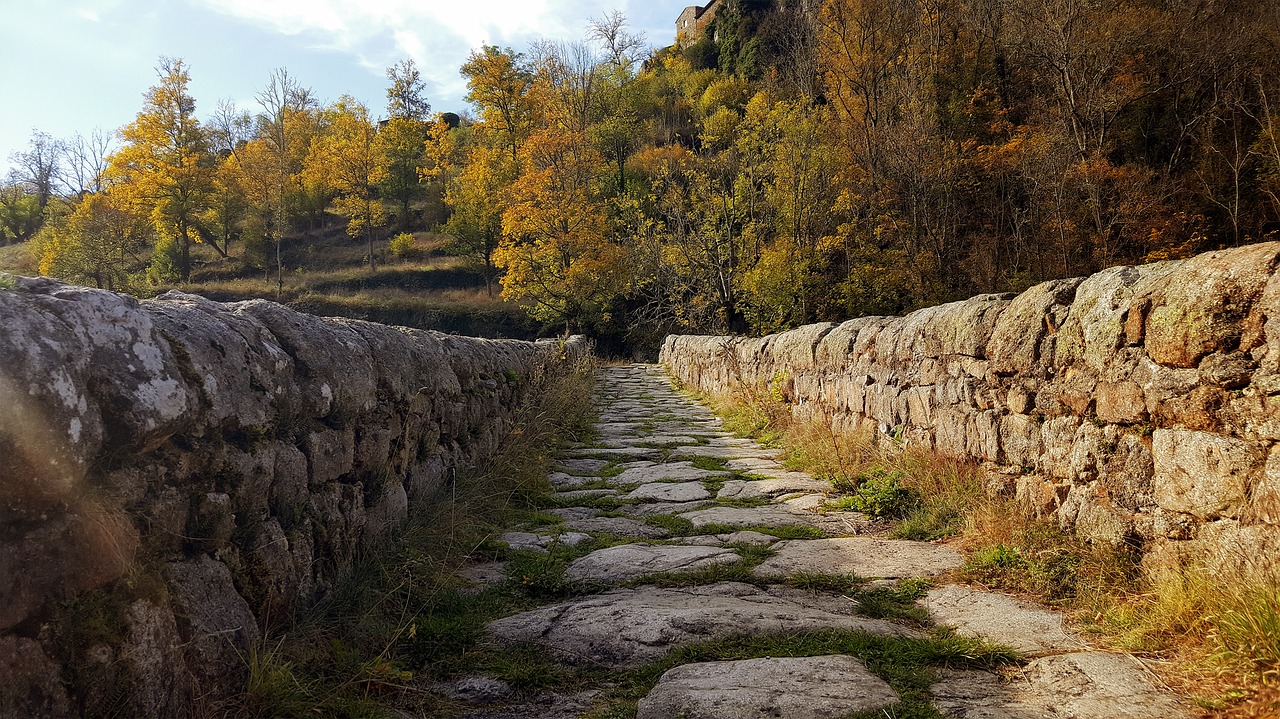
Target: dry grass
1213, 635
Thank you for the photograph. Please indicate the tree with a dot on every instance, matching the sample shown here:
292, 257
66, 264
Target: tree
99, 242
499, 83
402, 138
20, 213
275, 162
164, 167
38, 166
84, 162
556, 244
347, 156
406, 97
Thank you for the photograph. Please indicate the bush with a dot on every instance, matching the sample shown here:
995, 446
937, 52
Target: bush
402, 245
881, 494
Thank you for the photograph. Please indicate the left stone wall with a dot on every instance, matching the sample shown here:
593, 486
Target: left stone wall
178, 473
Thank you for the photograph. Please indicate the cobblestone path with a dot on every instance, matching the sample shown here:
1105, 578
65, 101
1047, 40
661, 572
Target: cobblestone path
686, 535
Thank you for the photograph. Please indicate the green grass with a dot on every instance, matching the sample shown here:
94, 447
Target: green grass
792, 531
743, 502
710, 464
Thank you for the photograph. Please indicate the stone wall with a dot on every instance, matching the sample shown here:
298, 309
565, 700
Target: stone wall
176, 474
1138, 405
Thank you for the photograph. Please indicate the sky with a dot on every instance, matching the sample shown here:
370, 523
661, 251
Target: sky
69, 66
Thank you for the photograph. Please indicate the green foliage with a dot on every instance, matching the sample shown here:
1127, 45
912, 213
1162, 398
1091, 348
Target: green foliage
402, 245
166, 261
881, 494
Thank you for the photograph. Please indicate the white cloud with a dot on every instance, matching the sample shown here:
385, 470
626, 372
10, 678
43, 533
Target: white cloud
437, 34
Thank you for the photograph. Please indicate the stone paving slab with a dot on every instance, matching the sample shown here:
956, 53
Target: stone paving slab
651, 508
825, 687
1000, 619
670, 492
1084, 685
713, 452
863, 556
774, 515
596, 452
628, 561
618, 526
571, 513
530, 542
576, 494
745, 537
671, 471
590, 467
768, 488
628, 627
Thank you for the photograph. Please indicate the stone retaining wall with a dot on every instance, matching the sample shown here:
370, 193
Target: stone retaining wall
176, 474
1139, 405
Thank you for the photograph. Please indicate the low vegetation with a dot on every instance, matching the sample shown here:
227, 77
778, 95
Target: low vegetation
1212, 634
401, 621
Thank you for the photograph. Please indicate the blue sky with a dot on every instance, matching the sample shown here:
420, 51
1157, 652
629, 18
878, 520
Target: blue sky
70, 66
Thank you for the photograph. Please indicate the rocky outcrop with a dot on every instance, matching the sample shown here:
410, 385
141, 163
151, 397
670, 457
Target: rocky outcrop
1139, 405
177, 473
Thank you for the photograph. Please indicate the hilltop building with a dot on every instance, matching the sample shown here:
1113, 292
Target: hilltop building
693, 22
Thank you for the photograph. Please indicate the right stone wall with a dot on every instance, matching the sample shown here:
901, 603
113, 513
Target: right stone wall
1138, 405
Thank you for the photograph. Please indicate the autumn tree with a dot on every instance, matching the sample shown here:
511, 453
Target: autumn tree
557, 247
275, 161
348, 157
499, 83
100, 242
164, 167
402, 138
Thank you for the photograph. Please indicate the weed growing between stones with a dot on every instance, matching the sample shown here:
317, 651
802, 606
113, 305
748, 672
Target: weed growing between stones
907, 664
399, 620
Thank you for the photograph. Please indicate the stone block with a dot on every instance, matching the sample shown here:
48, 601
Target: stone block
1122, 402
330, 454
1203, 474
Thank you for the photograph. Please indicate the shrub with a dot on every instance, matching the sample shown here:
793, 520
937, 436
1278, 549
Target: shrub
402, 245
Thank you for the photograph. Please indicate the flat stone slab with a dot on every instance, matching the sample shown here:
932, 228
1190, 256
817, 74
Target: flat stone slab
863, 556
586, 493
530, 542
768, 488
619, 526
753, 464
670, 472
628, 627
827, 687
671, 492
628, 561
720, 452
581, 466
1084, 685
652, 508
561, 479
572, 513
743, 537
1000, 619
773, 515
597, 452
